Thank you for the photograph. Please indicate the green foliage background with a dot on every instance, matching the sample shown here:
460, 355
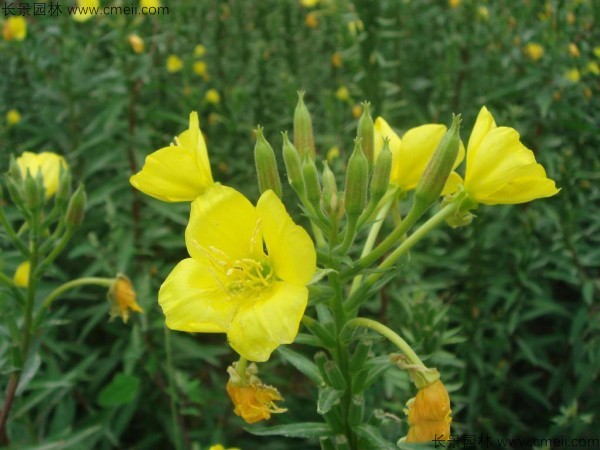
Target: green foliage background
507, 308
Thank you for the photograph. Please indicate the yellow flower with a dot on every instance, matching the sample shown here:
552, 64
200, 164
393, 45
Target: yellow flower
48, 163
573, 75
357, 111
533, 51
136, 42
333, 153
13, 117
14, 29
212, 96
199, 51
454, 3
174, 64
180, 172
253, 400
309, 3
311, 20
500, 169
220, 447
21, 276
149, 3
342, 93
593, 68
86, 10
336, 60
429, 414
574, 51
411, 154
122, 298
230, 284
199, 68
597, 51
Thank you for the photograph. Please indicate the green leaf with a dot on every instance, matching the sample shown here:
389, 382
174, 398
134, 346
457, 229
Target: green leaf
371, 434
121, 390
328, 397
294, 430
302, 363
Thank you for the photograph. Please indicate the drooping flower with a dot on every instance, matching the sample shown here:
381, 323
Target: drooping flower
429, 414
122, 298
21, 276
48, 163
180, 172
13, 117
253, 400
14, 29
86, 9
411, 154
247, 274
500, 169
174, 64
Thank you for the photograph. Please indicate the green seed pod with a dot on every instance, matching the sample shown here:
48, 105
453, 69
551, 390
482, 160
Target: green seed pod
303, 132
266, 165
76, 208
293, 164
380, 179
366, 131
357, 177
438, 169
311, 181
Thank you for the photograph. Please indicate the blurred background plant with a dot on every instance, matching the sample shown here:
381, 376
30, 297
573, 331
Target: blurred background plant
507, 308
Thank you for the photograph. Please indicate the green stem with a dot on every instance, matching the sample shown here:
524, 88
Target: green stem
391, 335
349, 235
107, 282
64, 240
172, 391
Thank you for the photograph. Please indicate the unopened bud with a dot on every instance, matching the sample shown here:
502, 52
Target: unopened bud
64, 186
357, 177
334, 375
293, 164
311, 181
329, 198
266, 165
76, 208
380, 179
438, 169
366, 131
303, 132
356, 411
31, 192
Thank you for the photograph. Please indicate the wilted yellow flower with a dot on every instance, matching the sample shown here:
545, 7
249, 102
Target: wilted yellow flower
593, 68
574, 51
333, 153
180, 172
174, 64
149, 3
309, 3
454, 3
500, 169
199, 68
311, 20
121, 296
533, 51
253, 400
573, 75
411, 154
336, 60
429, 414
199, 50
483, 13
357, 111
21, 276
212, 96
86, 10
48, 163
247, 274
136, 42
13, 117
342, 93
14, 29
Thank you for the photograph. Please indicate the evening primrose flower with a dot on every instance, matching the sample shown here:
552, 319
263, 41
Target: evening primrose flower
199, 51
199, 68
500, 169
342, 93
122, 298
411, 154
574, 50
429, 414
180, 172
136, 43
573, 75
220, 447
149, 4
212, 96
533, 51
174, 64
14, 29
48, 163
253, 400
86, 9
21, 276
13, 117
311, 20
247, 274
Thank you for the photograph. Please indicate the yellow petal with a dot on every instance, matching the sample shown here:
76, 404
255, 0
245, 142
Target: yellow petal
193, 300
21, 277
268, 321
454, 180
193, 139
222, 219
291, 250
483, 125
48, 163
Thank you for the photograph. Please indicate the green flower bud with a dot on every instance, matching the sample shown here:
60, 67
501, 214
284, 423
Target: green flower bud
13, 170
293, 164
334, 375
329, 198
311, 181
15, 191
31, 191
438, 169
357, 177
64, 186
366, 131
380, 179
357, 362
76, 208
356, 411
303, 132
266, 165
341, 442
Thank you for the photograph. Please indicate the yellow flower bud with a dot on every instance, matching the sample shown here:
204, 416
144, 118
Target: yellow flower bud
574, 51
21, 276
199, 68
122, 298
333, 153
356, 111
136, 43
212, 96
342, 94
174, 64
311, 20
14, 29
13, 117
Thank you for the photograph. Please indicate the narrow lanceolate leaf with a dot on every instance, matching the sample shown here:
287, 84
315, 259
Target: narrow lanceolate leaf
374, 439
302, 363
294, 430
